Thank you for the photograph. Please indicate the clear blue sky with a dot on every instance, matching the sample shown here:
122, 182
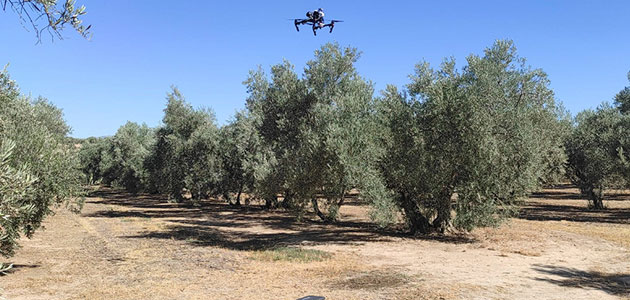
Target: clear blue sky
206, 48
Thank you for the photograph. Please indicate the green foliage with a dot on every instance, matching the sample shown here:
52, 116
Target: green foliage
319, 130
185, 156
38, 168
126, 151
14, 185
119, 160
598, 152
239, 148
622, 99
55, 16
483, 137
92, 156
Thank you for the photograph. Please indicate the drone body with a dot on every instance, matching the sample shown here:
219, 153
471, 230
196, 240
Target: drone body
316, 20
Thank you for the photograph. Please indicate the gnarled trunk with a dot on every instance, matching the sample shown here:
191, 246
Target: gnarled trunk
417, 222
442, 222
319, 213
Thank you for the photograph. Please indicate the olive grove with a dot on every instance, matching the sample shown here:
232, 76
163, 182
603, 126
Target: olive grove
456, 148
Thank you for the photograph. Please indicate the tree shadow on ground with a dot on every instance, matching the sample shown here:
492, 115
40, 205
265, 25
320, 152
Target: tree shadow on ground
614, 284
215, 223
540, 209
553, 212
210, 233
569, 191
119, 197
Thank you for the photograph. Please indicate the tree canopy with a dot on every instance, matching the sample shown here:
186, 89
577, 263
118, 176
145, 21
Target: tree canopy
598, 152
475, 140
38, 168
320, 131
184, 157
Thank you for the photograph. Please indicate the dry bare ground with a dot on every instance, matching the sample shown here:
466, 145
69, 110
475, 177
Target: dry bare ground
139, 247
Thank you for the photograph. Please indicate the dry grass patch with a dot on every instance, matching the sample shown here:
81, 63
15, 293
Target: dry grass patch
423, 291
372, 280
291, 254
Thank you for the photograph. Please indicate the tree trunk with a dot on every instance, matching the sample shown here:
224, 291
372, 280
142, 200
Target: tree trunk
271, 202
238, 197
597, 197
417, 222
287, 202
342, 198
339, 204
443, 220
319, 213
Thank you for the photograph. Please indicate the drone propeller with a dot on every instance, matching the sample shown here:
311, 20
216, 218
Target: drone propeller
297, 22
332, 24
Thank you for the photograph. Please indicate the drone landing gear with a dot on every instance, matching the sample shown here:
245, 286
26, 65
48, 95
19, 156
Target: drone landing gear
296, 25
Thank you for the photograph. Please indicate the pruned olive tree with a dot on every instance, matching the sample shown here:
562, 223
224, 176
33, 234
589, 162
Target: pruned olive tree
472, 141
598, 152
39, 170
321, 129
185, 156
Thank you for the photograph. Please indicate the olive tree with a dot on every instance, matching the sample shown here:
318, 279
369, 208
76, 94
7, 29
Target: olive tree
92, 154
239, 150
38, 168
474, 140
126, 151
321, 129
185, 156
598, 152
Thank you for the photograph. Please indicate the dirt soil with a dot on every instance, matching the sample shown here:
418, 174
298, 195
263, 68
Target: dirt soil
140, 247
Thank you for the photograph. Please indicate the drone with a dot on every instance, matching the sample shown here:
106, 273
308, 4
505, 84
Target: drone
316, 20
